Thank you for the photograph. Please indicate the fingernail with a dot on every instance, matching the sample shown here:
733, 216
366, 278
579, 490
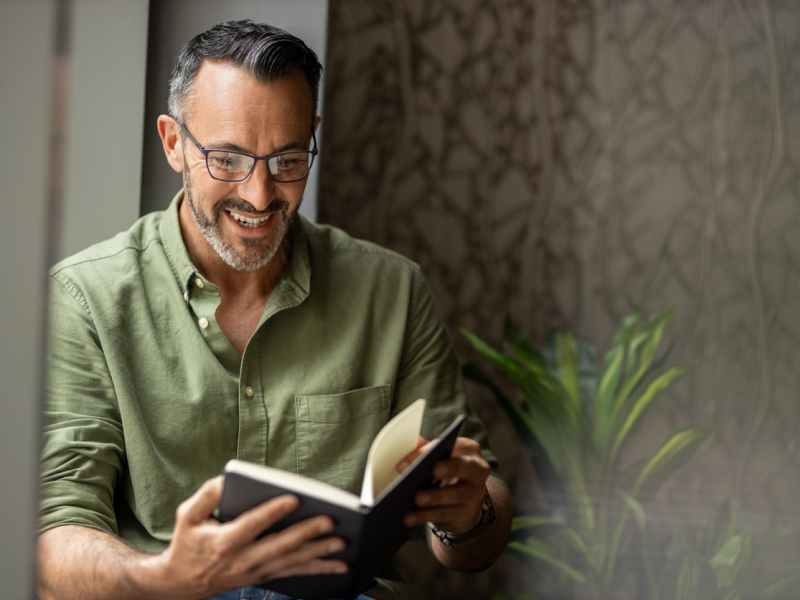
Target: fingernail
441, 471
410, 520
325, 526
341, 569
335, 546
423, 498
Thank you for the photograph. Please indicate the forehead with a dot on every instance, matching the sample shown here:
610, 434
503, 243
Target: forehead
225, 96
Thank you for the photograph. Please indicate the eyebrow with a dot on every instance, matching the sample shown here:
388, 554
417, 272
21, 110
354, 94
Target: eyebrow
236, 148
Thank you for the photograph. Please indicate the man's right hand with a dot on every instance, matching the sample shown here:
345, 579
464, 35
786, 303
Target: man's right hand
207, 557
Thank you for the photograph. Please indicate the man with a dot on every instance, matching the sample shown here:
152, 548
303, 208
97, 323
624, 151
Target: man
226, 327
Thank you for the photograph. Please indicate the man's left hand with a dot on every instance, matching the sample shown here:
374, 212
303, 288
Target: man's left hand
455, 506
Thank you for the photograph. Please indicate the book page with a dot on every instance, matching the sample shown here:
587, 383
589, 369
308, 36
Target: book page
294, 483
397, 439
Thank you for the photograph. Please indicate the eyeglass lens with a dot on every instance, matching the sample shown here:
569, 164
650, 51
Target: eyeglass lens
232, 166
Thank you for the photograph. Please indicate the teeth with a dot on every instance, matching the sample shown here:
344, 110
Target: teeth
249, 221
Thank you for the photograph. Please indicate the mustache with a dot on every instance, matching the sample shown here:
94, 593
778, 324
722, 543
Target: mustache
239, 205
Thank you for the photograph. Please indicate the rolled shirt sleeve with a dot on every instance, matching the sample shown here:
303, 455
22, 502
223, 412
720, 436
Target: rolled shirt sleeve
83, 444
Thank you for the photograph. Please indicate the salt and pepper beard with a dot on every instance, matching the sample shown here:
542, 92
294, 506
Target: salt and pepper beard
258, 251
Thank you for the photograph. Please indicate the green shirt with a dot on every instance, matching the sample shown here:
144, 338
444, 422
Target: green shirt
147, 399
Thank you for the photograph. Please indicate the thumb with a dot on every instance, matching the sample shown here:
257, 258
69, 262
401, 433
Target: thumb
199, 506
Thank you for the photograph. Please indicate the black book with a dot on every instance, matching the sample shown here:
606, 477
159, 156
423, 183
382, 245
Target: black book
371, 525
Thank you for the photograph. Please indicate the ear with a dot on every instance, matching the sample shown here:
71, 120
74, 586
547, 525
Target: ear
170, 137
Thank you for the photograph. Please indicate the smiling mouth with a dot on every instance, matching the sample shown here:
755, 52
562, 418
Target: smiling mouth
249, 221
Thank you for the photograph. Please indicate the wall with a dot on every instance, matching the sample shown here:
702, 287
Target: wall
555, 160
27, 36
105, 113
175, 22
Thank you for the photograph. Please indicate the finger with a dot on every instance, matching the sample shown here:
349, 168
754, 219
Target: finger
312, 567
199, 506
449, 496
250, 524
465, 447
464, 467
454, 519
284, 542
422, 447
305, 553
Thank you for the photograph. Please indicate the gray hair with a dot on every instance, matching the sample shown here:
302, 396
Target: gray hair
264, 51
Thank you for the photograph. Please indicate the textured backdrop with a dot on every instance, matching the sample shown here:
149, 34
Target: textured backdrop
552, 159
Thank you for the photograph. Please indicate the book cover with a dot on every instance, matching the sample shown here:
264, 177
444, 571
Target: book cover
371, 525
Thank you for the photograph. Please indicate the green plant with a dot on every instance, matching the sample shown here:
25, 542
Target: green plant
720, 564
575, 419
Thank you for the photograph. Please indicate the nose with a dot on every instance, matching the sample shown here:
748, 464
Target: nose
259, 187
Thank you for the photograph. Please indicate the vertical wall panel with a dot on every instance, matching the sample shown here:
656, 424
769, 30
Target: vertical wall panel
26, 44
106, 111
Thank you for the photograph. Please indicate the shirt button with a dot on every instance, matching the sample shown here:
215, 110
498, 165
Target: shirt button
199, 283
186, 296
203, 322
249, 391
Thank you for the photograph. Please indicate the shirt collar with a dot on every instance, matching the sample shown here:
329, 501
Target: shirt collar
174, 248
298, 271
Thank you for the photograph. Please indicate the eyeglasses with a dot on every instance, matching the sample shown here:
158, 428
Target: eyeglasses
286, 167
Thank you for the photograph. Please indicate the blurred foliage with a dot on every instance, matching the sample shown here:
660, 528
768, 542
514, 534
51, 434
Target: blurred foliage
575, 418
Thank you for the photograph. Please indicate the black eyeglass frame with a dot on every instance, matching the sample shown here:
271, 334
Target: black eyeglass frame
313, 152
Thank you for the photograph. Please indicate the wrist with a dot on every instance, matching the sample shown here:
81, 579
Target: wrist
151, 576
487, 517
472, 524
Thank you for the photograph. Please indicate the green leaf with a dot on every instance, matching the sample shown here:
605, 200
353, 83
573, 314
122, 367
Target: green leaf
687, 576
545, 396
725, 524
641, 353
554, 421
649, 554
610, 375
780, 584
681, 538
723, 561
567, 362
742, 562
530, 522
523, 424
674, 452
519, 419
522, 348
636, 508
581, 549
769, 545
587, 375
541, 550
542, 530
646, 397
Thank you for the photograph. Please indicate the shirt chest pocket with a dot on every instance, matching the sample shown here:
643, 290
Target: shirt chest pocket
334, 433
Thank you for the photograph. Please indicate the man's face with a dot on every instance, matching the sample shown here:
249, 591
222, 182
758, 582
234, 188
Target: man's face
228, 110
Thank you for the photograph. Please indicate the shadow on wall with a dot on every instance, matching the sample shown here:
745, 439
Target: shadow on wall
551, 160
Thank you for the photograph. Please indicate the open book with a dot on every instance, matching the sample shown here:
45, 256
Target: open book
371, 525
